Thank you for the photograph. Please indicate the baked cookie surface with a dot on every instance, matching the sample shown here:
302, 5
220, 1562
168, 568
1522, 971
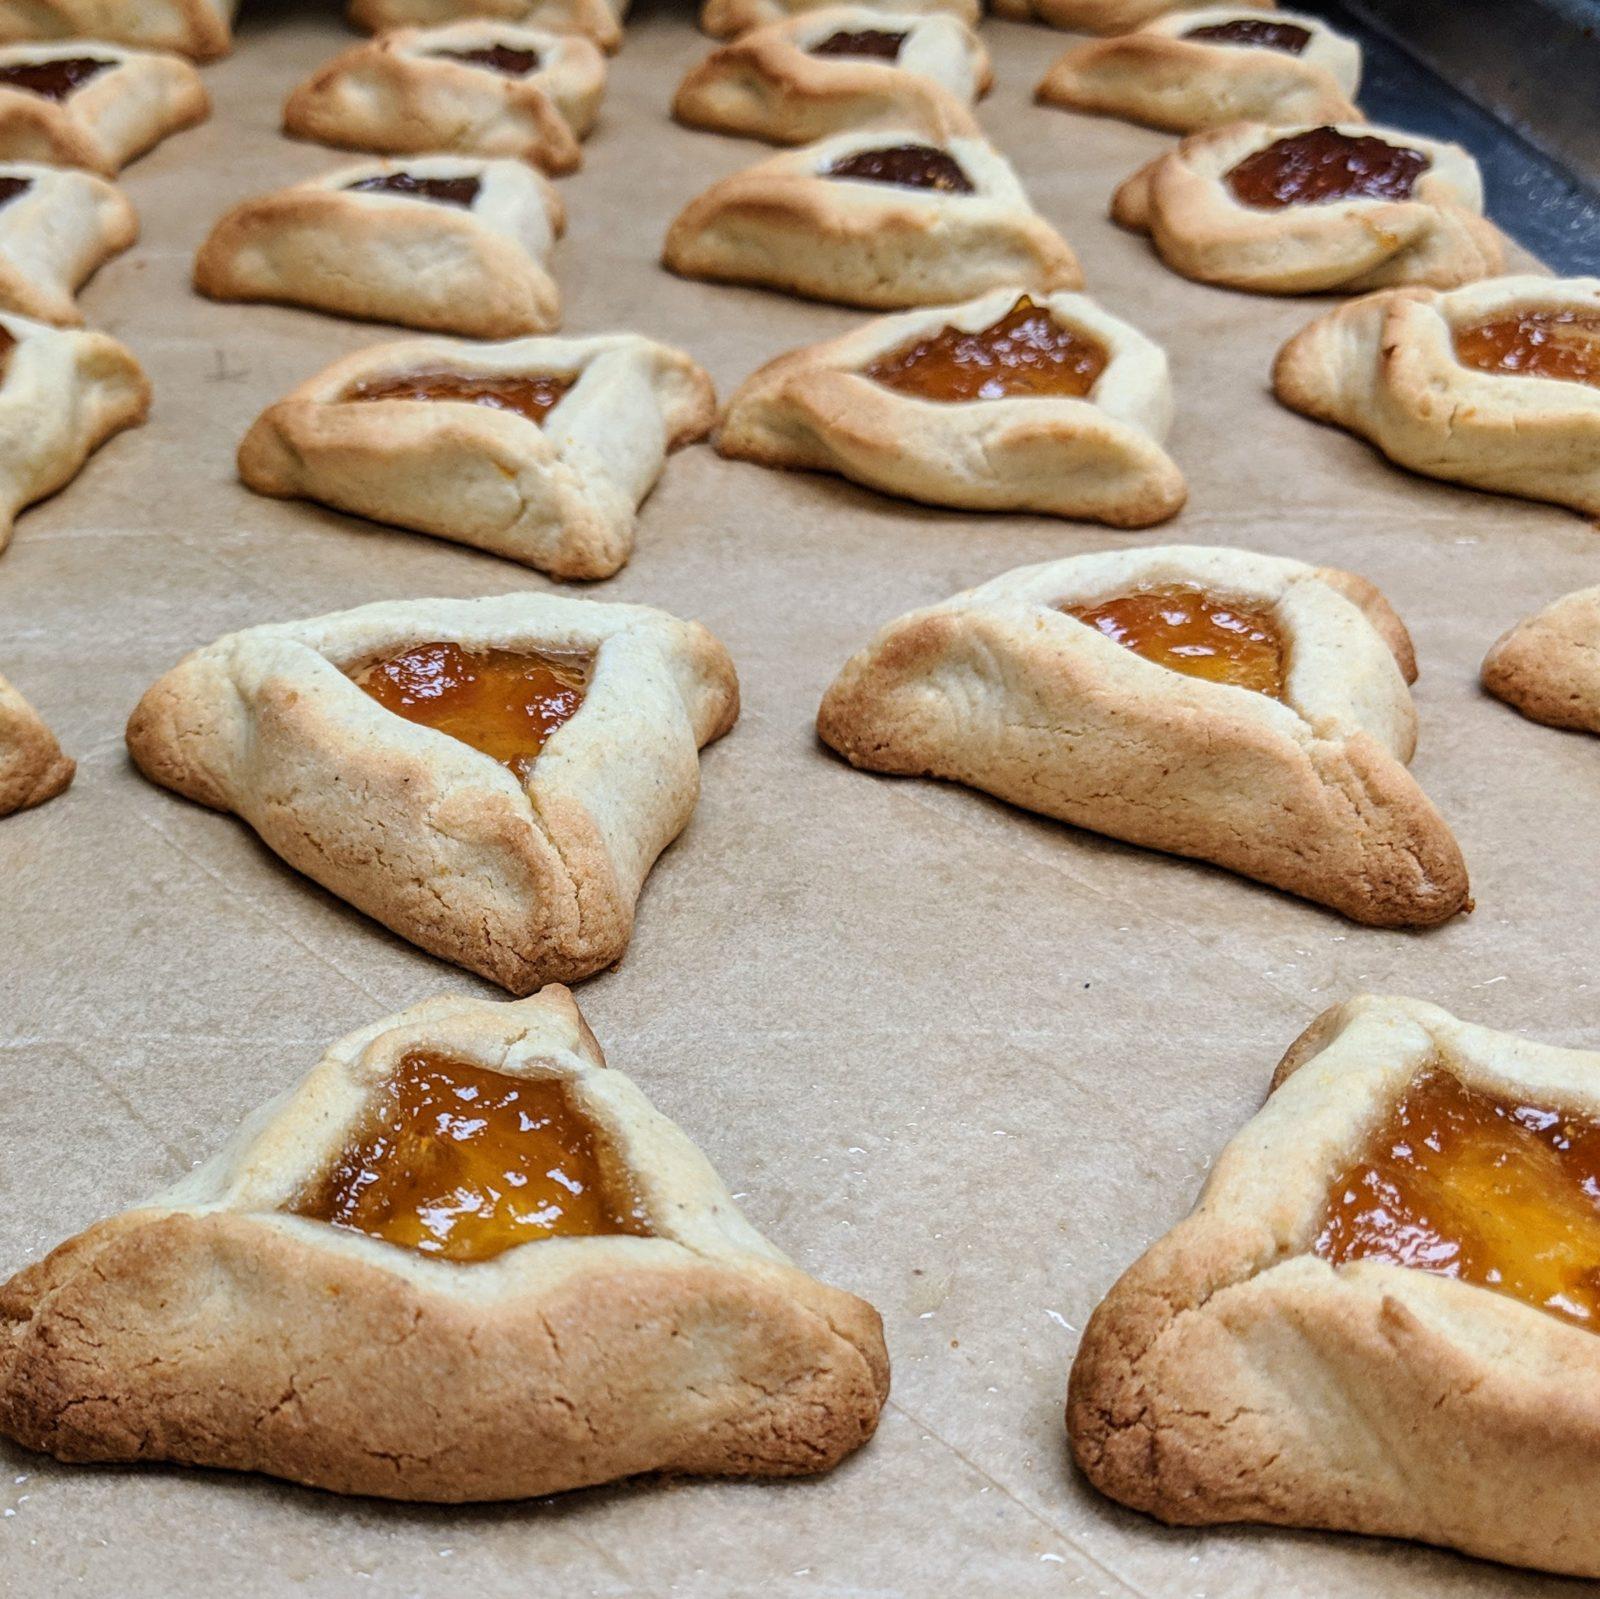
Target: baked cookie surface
1380, 1315
63, 393
599, 20
491, 779
449, 244
57, 228
472, 88
1107, 16
881, 217
1495, 385
1191, 70
1277, 210
93, 105
727, 19
605, 1312
537, 449
822, 72
1008, 402
32, 766
1548, 666
1240, 709
202, 29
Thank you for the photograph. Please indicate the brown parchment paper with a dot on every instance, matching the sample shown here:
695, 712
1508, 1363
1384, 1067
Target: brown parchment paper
954, 1057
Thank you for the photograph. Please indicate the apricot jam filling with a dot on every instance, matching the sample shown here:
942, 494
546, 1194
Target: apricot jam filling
1465, 1184
1323, 165
1201, 635
1027, 352
502, 58
442, 191
1540, 344
55, 79
906, 166
1260, 35
461, 1162
506, 703
875, 43
532, 397
7, 345
13, 189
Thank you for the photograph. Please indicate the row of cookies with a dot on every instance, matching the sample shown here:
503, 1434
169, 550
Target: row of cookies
203, 29
1247, 710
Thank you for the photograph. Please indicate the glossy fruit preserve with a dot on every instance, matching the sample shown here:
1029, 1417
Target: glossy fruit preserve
502, 58
1196, 633
874, 43
1464, 1184
1539, 344
458, 1161
506, 703
1027, 352
1259, 35
1322, 165
54, 79
442, 191
906, 166
532, 397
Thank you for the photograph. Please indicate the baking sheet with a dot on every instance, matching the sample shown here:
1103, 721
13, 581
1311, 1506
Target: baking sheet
954, 1057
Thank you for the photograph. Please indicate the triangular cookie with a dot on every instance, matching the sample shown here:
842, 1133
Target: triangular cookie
599, 20
1380, 1316
844, 66
537, 449
1548, 666
1105, 16
32, 767
1496, 385
726, 19
1302, 210
198, 28
1190, 70
1238, 708
57, 228
495, 787
558, 1284
451, 244
1009, 402
478, 87
62, 395
880, 217
92, 104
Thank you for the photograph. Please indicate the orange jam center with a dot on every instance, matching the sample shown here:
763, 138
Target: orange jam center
53, 79
905, 166
532, 397
1464, 1184
465, 1163
1322, 165
1254, 33
1541, 344
506, 703
1026, 352
442, 191
1197, 634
